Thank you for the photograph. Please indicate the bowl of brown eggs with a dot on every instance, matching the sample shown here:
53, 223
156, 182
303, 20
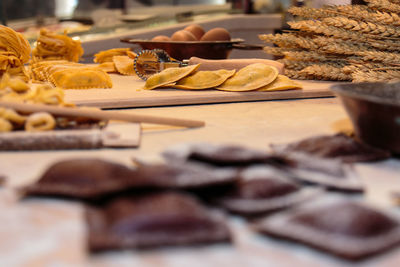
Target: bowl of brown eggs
194, 41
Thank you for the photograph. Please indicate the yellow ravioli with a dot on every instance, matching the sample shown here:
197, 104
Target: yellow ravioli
81, 78
107, 67
169, 76
39, 70
281, 83
250, 78
204, 79
107, 55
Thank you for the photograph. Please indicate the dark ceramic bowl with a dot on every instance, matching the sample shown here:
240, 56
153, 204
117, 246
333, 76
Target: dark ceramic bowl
374, 109
181, 50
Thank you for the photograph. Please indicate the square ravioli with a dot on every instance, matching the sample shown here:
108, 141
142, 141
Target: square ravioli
263, 189
341, 226
154, 220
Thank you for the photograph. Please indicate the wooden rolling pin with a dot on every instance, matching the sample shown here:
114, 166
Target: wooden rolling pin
230, 64
100, 114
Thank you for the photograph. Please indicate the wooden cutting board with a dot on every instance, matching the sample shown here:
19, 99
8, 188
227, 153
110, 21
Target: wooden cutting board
127, 92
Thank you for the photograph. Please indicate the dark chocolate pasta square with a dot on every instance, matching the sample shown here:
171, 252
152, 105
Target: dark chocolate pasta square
82, 178
218, 155
330, 173
338, 146
346, 228
91, 178
263, 189
154, 220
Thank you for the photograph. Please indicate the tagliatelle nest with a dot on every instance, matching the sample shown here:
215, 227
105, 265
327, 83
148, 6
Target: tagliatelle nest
14, 53
51, 46
345, 43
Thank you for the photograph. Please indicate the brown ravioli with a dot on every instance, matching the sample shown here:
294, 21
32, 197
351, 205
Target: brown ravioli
154, 220
337, 146
343, 227
219, 155
330, 173
82, 178
263, 189
95, 178
184, 175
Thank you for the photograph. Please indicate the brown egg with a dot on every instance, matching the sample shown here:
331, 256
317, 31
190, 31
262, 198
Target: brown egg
216, 34
161, 38
196, 29
183, 35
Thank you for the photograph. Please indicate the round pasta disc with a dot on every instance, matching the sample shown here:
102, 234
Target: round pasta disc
107, 55
124, 65
168, 76
281, 82
107, 67
250, 78
204, 79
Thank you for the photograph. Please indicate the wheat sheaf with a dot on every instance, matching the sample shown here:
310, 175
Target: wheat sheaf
359, 43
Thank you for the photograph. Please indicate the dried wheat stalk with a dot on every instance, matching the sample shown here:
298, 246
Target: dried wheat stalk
289, 40
312, 13
375, 76
363, 13
395, 1
383, 5
326, 72
364, 27
390, 45
295, 74
320, 28
337, 46
295, 64
362, 66
379, 56
359, 12
307, 56
299, 65
275, 51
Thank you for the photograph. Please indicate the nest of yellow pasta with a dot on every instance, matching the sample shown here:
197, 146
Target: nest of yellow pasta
52, 46
358, 43
14, 53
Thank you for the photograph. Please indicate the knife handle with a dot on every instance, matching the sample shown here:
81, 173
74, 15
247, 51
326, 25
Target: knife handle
230, 64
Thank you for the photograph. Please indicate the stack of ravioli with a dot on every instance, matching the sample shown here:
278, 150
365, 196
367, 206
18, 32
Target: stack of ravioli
254, 77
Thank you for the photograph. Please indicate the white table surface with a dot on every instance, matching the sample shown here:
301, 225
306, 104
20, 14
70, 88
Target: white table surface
49, 232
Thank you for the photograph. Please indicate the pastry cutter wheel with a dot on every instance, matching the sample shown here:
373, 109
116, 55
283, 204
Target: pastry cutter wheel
149, 62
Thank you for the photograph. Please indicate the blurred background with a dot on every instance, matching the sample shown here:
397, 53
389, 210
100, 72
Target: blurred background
100, 24
82, 9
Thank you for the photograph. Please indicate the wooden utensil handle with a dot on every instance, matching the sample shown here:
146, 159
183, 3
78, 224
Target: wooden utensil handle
100, 114
230, 64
